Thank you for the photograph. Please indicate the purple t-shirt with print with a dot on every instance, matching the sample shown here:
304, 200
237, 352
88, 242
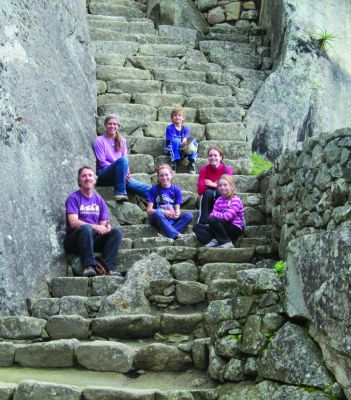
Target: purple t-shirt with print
171, 196
91, 210
172, 132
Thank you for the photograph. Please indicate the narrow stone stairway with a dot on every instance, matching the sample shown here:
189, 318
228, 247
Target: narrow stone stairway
152, 334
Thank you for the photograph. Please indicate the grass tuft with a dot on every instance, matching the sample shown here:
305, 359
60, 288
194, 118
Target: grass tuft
259, 164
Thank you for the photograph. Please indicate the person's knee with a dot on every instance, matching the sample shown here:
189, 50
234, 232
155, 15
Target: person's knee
188, 216
85, 229
121, 161
214, 221
207, 195
116, 233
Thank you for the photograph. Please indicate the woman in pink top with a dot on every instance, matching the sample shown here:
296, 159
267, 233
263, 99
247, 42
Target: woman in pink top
208, 181
226, 221
112, 163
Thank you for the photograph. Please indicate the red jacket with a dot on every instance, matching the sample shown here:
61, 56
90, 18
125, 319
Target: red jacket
208, 172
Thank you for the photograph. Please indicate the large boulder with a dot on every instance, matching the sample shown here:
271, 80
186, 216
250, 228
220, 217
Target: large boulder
293, 357
177, 12
130, 299
318, 289
48, 102
308, 91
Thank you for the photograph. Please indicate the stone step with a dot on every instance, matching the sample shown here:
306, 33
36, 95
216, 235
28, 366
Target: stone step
111, 72
109, 8
225, 130
101, 355
241, 255
120, 49
75, 384
163, 50
126, 258
159, 100
111, 98
224, 114
124, 111
141, 163
210, 101
83, 287
196, 89
134, 86
181, 33
208, 67
119, 25
164, 114
232, 149
207, 46
179, 75
230, 58
222, 270
126, 3
155, 147
151, 63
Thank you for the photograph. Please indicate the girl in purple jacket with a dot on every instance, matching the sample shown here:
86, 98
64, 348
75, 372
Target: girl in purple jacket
226, 222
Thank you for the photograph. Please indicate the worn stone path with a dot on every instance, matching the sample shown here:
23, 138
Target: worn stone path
154, 327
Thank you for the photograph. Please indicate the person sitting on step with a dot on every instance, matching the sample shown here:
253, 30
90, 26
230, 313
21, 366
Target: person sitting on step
226, 221
112, 163
87, 225
163, 206
179, 144
207, 184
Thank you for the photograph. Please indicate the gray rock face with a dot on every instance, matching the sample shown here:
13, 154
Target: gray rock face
21, 327
53, 67
318, 276
295, 101
293, 357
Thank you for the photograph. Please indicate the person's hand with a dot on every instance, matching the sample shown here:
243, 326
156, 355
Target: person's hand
101, 229
168, 213
176, 215
128, 176
210, 183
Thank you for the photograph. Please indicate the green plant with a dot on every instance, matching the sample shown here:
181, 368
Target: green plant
279, 267
324, 39
238, 338
269, 336
259, 164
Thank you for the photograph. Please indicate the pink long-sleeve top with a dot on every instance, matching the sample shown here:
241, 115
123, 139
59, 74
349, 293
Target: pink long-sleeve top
212, 173
231, 210
106, 153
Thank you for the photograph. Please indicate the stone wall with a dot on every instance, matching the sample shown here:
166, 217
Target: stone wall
309, 190
47, 99
308, 91
238, 13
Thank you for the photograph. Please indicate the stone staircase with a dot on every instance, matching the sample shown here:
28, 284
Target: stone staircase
148, 336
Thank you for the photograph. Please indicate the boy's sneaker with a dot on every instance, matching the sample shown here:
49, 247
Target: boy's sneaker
89, 272
191, 167
212, 243
174, 166
121, 197
227, 245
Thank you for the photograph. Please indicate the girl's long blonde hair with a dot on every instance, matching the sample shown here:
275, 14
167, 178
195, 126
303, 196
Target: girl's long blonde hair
118, 137
232, 183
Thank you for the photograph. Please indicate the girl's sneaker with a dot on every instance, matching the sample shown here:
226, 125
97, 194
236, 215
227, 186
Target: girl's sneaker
212, 243
228, 245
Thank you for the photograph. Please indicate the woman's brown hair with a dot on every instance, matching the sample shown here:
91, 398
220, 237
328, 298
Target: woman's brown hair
164, 166
218, 149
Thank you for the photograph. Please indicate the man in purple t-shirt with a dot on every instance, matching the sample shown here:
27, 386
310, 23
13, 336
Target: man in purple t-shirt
87, 225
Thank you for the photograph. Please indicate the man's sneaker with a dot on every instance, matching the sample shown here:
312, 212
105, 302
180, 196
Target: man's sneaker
89, 272
227, 245
191, 167
121, 197
174, 166
212, 243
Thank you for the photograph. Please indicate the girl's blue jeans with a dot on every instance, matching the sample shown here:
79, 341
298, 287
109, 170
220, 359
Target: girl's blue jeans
115, 175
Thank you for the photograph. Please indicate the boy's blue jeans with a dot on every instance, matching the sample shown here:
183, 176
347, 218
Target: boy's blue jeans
115, 174
158, 220
175, 153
